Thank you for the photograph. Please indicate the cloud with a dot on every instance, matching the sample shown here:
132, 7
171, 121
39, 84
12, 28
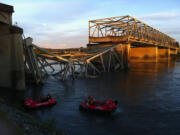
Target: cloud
64, 24
54, 24
172, 29
63, 40
167, 22
57, 11
71, 34
162, 16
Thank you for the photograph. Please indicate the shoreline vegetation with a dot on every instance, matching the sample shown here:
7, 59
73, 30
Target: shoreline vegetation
25, 124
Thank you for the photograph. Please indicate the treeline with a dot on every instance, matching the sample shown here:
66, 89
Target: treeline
63, 51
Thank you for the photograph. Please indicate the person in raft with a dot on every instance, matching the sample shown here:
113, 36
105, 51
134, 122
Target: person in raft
48, 96
91, 100
43, 99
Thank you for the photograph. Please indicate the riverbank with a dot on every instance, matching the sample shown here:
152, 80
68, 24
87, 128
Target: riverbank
24, 124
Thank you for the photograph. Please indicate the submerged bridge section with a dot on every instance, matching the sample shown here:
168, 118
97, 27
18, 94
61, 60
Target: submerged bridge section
74, 63
141, 42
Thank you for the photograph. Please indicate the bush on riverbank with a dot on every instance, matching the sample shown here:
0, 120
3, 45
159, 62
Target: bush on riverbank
25, 123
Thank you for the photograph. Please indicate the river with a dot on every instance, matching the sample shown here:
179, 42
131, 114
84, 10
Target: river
148, 96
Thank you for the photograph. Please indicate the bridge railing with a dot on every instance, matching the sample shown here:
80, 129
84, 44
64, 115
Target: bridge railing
130, 28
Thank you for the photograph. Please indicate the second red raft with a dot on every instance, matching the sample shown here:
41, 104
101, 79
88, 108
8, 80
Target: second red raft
107, 106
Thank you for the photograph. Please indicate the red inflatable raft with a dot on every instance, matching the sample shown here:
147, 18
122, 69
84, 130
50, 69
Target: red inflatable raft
101, 107
30, 103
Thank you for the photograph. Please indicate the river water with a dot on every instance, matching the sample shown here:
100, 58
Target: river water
148, 96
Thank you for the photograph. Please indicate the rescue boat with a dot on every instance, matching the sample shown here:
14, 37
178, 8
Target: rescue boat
107, 106
30, 103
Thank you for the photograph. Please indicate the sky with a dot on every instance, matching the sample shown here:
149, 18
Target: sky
64, 23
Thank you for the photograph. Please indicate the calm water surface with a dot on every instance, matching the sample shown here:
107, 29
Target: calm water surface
148, 95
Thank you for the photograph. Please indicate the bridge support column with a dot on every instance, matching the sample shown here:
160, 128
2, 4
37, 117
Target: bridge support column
163, 54
11, 56
124, 52
12, 74
173, 52
144, 54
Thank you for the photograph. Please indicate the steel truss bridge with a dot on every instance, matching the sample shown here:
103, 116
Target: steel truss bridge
128, 29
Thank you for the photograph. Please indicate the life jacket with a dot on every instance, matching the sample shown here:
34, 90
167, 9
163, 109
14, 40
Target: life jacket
91, 101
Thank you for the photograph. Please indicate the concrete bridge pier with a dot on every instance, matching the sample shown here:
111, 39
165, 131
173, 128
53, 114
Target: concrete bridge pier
124, 53
11, 57
151, 54
163, 54
11, 51
173, 52
144, 54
